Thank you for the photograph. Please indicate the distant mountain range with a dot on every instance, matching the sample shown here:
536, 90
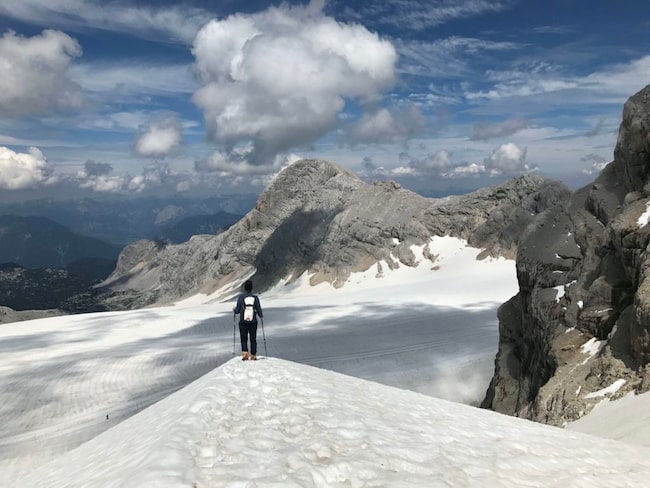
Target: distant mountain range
121, 221
182, 230
34, 242
44, 265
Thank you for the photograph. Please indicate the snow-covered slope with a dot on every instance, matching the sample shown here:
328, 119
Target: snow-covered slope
66, 380
63, 380
277, 423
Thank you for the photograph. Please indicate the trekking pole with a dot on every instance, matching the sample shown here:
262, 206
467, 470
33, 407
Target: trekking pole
233, 333
266, 353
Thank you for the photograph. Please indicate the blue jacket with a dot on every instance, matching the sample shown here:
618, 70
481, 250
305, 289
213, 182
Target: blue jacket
239, 308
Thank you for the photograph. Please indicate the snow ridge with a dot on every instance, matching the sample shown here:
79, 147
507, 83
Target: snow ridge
278, 423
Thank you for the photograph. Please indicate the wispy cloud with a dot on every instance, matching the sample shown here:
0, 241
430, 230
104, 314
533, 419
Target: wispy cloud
139, 79
170, 23
450, 57
610, 84
484, 131
552, 29
596, 129
419, 14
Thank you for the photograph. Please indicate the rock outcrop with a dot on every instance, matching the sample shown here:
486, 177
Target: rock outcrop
579, 328
320, 218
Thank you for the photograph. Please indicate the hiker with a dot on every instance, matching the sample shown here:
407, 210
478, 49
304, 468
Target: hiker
248, 307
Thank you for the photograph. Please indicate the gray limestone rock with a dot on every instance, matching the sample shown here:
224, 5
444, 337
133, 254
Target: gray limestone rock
319, 218
583, 276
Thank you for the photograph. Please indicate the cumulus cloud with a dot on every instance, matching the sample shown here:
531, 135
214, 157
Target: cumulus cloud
102, 183
22, 170
507, 158
484, 131
465, 170
438, 162
96, 177
157, 172
278, 79
388, 126
236, 162
158, 138
94, 168
598, 163
34, 73
137, 184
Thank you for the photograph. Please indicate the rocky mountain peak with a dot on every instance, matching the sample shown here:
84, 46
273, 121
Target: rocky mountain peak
632, 152
319, 218
581, 320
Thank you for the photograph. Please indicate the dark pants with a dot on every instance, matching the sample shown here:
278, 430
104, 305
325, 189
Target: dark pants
246, 331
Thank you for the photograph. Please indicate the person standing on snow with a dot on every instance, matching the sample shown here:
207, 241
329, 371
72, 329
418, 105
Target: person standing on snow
248, 307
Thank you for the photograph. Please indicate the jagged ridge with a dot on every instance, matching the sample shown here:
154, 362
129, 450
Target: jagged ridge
320, 218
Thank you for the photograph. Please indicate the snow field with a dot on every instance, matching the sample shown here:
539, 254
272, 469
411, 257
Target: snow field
275, 423
72, 388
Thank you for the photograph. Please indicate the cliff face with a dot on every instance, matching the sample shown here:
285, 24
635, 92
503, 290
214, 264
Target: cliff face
581, 320
318, 217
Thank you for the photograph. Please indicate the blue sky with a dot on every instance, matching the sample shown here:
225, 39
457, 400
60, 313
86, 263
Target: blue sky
194, 96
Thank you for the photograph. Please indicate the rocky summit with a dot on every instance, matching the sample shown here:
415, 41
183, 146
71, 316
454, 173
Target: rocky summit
579, 328
317, 217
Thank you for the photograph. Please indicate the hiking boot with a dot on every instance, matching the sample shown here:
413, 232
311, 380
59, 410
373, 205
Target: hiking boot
253, 357
244, 356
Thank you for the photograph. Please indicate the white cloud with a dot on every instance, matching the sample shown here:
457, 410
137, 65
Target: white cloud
22, 170
278, 79
466, 170
35, 73
437, 162
137, 183
507, 158
619, 81
102, 183
96, 176
388, 126
158, 138
183, 186
236, 163
598, 163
